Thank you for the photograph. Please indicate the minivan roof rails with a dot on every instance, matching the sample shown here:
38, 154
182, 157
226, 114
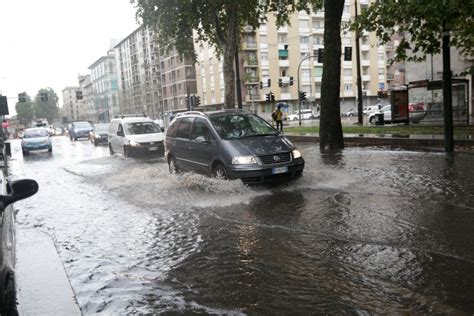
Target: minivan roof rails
190, 112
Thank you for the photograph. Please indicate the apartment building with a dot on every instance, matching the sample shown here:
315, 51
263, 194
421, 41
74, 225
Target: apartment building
87, 110
273, 55
71, 105
104, 87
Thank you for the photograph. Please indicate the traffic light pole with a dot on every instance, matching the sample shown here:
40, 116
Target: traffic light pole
299, 86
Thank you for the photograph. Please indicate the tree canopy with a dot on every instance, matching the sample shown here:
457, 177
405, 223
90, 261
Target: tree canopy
47, 108
422, 21
25, 110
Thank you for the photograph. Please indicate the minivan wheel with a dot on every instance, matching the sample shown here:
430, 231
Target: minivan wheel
220, 173
173, 168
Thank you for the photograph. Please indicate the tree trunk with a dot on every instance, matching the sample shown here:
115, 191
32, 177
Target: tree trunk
230, 49
330, 132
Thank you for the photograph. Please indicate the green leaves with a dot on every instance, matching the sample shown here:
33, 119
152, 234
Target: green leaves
420, 25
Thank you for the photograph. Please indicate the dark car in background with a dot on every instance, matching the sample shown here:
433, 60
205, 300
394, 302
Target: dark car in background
79, 130
231, 144
100, 134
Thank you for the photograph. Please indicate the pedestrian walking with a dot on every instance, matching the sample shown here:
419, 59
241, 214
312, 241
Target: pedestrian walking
278, 118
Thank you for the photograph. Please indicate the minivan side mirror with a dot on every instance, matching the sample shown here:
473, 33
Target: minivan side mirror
19, 190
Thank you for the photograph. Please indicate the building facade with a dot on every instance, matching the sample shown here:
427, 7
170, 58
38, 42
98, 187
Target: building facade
105, 92
273, 56
86, 105
71, 105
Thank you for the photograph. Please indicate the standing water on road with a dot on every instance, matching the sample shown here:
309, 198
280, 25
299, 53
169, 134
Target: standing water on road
363, 231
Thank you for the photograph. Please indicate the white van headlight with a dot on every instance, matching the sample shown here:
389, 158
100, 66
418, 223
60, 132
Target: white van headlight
244, 160
134, 143
296, 154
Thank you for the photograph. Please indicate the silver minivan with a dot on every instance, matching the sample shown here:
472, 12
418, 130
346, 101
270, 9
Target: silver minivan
231, 144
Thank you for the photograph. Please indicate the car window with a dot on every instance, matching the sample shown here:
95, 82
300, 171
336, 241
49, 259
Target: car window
120, 130
35, 133
171, 131
184, 127
200, 129
139, 128
235, 126
386, 108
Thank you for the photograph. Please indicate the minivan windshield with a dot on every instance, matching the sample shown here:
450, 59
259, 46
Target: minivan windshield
138, 128
236, 126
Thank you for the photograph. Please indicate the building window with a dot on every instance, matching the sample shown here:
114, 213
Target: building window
348, 87
263, 39
304, 40
282, 39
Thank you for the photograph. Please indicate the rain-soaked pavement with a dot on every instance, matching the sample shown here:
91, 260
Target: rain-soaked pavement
363, 231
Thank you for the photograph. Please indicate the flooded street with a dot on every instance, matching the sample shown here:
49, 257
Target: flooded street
363, 231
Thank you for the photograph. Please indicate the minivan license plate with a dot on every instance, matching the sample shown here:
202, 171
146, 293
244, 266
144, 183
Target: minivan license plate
153, 148
279, 170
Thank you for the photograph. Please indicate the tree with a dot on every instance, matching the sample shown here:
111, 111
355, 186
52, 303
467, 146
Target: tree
25, 110
47, 108
429, 26
330, 133
218, 22
423, 22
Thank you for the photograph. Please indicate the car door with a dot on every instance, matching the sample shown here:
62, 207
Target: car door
202, 146
182, 153
118, 139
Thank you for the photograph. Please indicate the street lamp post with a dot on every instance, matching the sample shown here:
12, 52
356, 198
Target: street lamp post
299, 86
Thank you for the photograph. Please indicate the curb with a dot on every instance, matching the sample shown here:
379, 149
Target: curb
404, 142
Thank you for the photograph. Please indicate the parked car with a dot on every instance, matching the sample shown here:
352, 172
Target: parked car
414, 116
99, 134
231, 144
135, 136
79, 130
58, 131
306, 114
371, 109
10, 192
35, 139
350, 113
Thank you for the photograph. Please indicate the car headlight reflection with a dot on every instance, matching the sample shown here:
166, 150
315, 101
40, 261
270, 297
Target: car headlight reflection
244, 160
296, 154
134, 143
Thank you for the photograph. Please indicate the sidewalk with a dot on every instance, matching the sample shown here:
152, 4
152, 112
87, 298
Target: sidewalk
415, 141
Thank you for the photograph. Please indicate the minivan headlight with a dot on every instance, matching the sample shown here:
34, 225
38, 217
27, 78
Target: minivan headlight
296, 154
134, 143
244, 160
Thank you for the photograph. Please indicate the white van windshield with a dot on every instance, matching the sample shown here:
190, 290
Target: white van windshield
139, 128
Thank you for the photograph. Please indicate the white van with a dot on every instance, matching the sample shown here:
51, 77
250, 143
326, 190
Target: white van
135, 136
371, 109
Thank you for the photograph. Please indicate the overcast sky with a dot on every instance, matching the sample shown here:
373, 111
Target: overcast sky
48, 43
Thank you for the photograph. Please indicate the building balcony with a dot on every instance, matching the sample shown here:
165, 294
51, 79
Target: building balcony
249, 45
263, 29
365, 62
365, 77
252, 97
318, 79
264, 47
304, 31
348, 94
251, 63
347, 78
282, 29
251, 79
365, 47
248, 29
319, 31
264, 64
318, 46
284, 63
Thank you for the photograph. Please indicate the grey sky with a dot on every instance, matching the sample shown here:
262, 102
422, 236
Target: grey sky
47, 43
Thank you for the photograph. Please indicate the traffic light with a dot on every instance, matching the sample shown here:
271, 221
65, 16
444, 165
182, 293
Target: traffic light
197, 101
261, 85
267, 97
272, 97
21, 97
269, 82
302, 95
79, 95
347, 53
280, 82
44, 96
291, 80
320, 55
380, 94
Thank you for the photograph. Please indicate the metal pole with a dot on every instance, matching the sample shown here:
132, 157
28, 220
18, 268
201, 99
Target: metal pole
360, 117
299, 86
447, 93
